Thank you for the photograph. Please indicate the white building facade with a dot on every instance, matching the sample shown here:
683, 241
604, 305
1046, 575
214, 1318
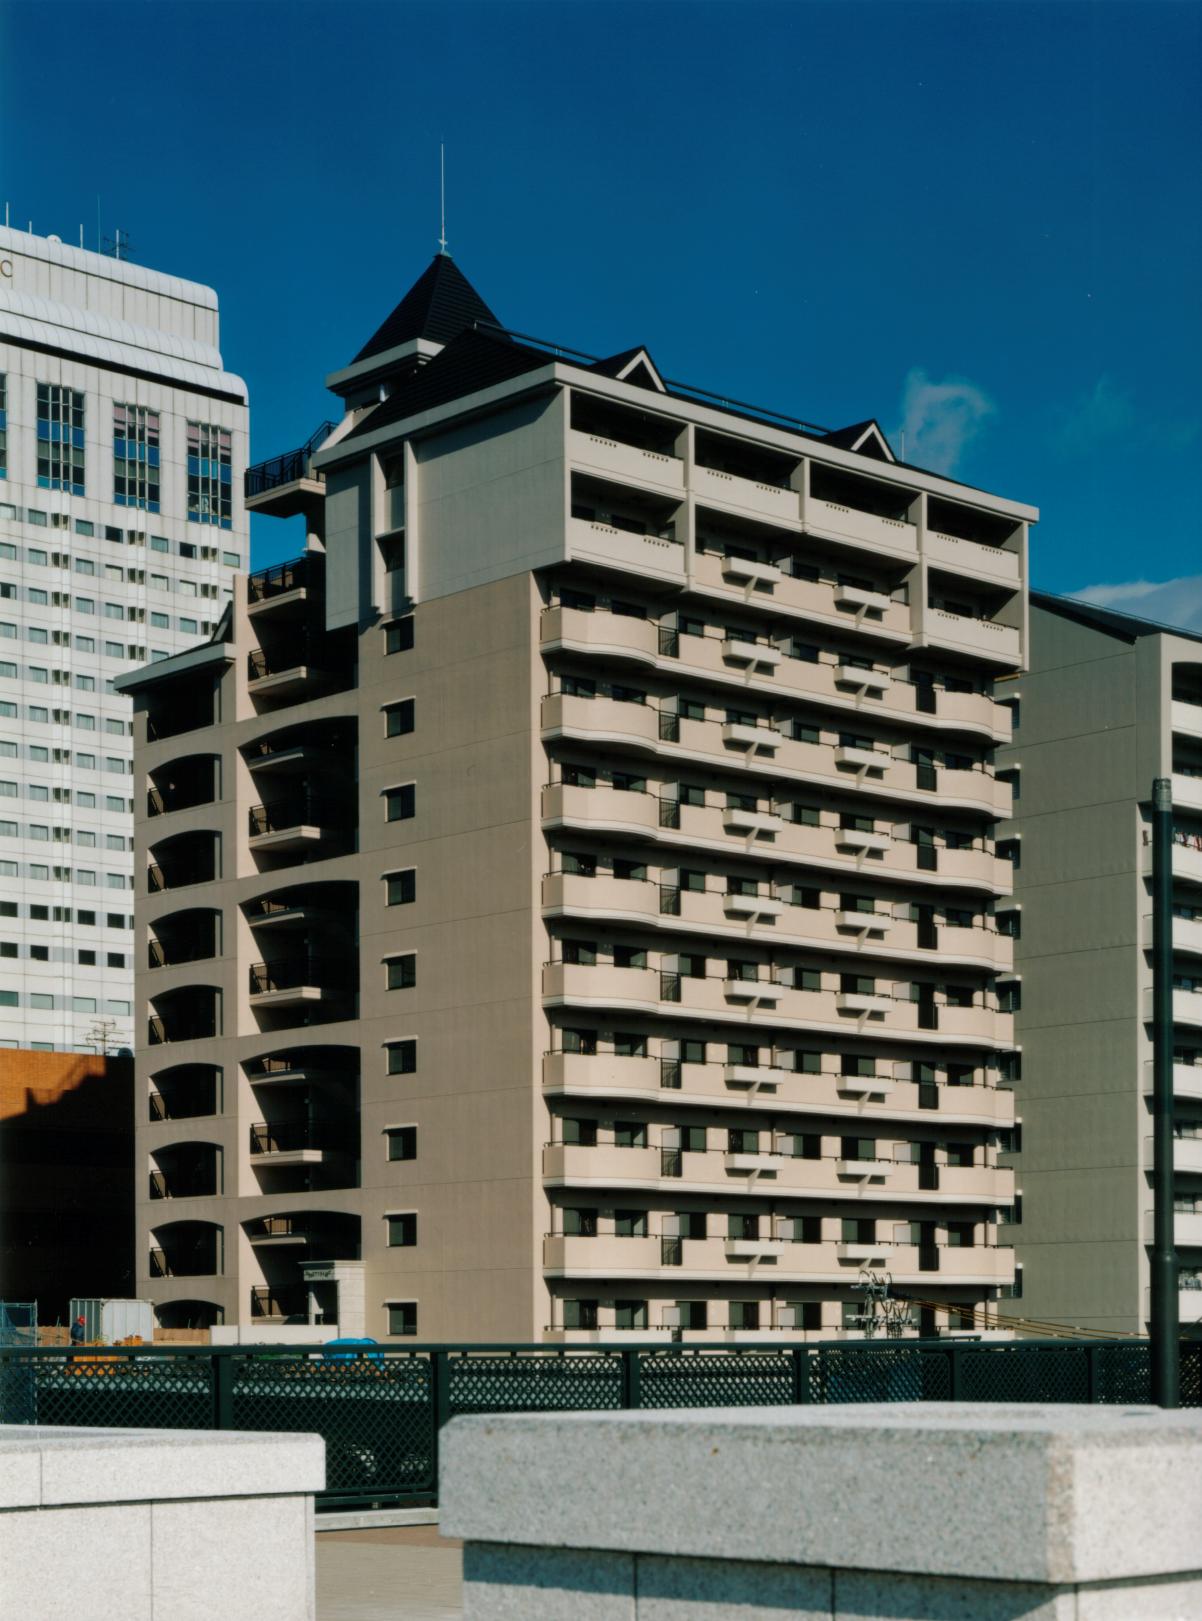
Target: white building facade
122, 448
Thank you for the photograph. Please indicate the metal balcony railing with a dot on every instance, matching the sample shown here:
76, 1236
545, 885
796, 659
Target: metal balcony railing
289, 1136
304, 809
259, 665
289, 973
288, 467
266, 1301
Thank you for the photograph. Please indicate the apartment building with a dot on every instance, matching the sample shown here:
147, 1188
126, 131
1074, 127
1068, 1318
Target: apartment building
122, 450
1109, 704
572, 899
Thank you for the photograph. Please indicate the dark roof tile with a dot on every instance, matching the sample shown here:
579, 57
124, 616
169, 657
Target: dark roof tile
440, 305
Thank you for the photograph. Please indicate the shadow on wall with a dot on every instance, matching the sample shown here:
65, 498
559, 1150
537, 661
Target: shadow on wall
66, 1178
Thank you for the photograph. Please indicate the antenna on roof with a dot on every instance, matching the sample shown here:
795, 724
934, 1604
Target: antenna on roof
442, 197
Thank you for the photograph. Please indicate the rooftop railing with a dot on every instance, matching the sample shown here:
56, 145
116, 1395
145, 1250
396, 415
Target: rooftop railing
286, 468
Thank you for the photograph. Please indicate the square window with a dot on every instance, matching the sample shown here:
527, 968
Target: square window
402, 1057
398, 637
400, 803
398, 718
402, 1317
402, 1230
87, 959
401, 1142
401, 887
401, 972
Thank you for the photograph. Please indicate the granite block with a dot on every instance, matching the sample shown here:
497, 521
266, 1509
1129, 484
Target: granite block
86, 1564
1001, 1492
259, 1549
502, 1583
729, 1590
1171, 1598
873, 1595
118, 1466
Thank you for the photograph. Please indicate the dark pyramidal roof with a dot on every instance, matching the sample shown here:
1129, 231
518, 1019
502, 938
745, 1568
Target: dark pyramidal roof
440, 305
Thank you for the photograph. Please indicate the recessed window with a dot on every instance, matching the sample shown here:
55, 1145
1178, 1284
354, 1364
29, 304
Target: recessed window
402, 1057
402, 1317
402, 1230
398, 637
401, 972
401, 887
401, 1142
400, 803
398, 718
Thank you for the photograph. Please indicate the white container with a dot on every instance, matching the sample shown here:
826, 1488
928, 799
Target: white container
112, 1320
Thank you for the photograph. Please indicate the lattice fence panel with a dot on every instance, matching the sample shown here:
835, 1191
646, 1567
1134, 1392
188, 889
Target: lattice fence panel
534, 1383
1024, 1373
716, 1379
107, 1388
375, 1411
878, 1373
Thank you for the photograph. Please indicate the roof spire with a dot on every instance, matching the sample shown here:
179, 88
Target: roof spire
442, 198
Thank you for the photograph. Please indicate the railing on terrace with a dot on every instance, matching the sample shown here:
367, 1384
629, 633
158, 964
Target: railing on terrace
381, 1409
287, 1137
298, 810
288, 973
288, 467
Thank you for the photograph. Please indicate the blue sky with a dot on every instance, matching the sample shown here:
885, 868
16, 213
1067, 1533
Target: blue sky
978, 221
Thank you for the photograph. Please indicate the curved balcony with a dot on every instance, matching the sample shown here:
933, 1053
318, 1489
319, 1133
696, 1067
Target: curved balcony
187, 1249
185, 1092
187, 1170
764, 834
333, 1070
769, 1259
193, 935
187, 1013
774, 1175
764, 749
769, 1001
184, 859
326, 910
320, 749
183, 783
327, 1233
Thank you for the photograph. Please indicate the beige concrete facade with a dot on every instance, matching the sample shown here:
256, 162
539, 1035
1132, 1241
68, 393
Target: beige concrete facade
1108, 705
683, 725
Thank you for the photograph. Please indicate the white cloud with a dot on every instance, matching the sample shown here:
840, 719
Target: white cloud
1167, 602
1101, 413
940, 419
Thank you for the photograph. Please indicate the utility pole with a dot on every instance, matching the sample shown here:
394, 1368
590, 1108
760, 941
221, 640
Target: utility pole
1164, 1324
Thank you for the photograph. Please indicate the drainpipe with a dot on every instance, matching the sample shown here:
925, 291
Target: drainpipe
1165, 1328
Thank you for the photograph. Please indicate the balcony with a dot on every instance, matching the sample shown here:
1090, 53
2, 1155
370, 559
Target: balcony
871, 682
750, 572
864, 1004
286, 485
1187, 1153
755, 1249
972, 558
893, 536
983, 638
754, 654
863, 1252
770, 502
649, 548
298, 821
183, 860
739, 904
1186, 717
1187, 791
758, 738
718, 1171
774, 1089
738, 819
753, 992
878, 924
289, 1303
594, 453
282, 675
297, 1143
1187, 1081
291, 982
183, 784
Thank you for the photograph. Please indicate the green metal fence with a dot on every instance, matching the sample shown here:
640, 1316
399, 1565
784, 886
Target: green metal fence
381, 1409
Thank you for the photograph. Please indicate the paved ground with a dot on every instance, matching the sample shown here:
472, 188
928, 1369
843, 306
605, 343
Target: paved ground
411, 1574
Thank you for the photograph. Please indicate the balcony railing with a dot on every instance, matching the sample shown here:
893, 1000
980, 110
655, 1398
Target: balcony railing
298, 810
290, 1136
268, 1302
287, 468
290, 973
259, 665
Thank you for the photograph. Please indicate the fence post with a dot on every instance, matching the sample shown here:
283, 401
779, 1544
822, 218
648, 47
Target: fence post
632, 1379
223, 1390
440, 1408
801, 1374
